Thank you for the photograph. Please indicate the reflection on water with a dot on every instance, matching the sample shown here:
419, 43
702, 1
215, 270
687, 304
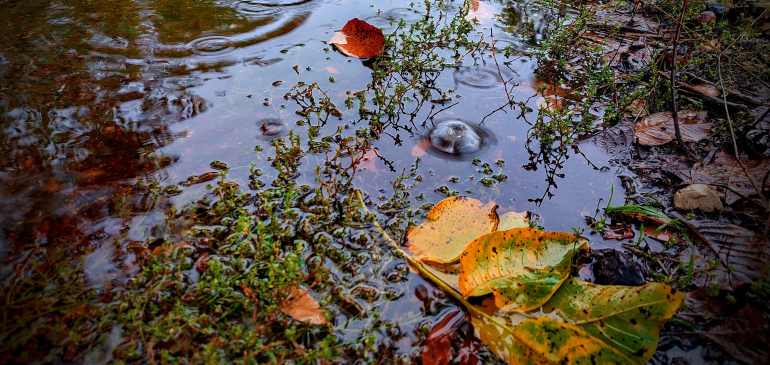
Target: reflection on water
88, 93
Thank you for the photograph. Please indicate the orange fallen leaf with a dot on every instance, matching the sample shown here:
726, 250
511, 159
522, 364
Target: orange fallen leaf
332, 70
359, 39
302, 307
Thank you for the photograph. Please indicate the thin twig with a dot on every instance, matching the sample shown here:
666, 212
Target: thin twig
735, 146
673, 77
663, 267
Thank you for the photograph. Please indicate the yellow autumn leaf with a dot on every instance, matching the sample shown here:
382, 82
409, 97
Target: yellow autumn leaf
449, 227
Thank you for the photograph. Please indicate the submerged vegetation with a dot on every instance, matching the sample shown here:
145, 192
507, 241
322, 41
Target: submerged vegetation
222, 277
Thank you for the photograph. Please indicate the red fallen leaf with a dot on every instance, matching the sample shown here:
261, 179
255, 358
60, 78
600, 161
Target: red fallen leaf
438, 345
302, 307
359, 39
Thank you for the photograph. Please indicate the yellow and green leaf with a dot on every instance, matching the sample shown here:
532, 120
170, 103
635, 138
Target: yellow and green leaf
546, 341
522, 267
626, 318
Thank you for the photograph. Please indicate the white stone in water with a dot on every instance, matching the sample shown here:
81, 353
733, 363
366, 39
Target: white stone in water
455, 137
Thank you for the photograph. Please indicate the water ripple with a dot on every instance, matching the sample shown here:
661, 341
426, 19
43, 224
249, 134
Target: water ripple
212, 46
477, 77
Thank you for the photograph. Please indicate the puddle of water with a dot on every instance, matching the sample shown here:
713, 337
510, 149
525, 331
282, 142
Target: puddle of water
104, 107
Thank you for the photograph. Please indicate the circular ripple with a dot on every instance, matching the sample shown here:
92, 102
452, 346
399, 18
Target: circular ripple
478, 77
278, 3
457, 137
264, 8
212, 46
250, 8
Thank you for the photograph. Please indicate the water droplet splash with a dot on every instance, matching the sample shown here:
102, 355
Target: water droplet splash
457, 137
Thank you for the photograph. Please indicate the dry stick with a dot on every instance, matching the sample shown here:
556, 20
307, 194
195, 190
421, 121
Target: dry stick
673, 77
427, 274
735, 146
499, 72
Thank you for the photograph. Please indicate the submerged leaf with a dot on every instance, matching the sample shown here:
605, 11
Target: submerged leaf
523, 267
626, 318
438, 345
359, 39
302, 307
449, 227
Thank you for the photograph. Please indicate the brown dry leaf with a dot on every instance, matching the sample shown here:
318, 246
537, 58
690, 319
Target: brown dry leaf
636, 109
332, 70
618, 233
707, 90
449, 227
438, 345
359, 39
745, 335
745, 253
615, 139
658, 128
725, 170
302, 307
663, 235
701, 306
